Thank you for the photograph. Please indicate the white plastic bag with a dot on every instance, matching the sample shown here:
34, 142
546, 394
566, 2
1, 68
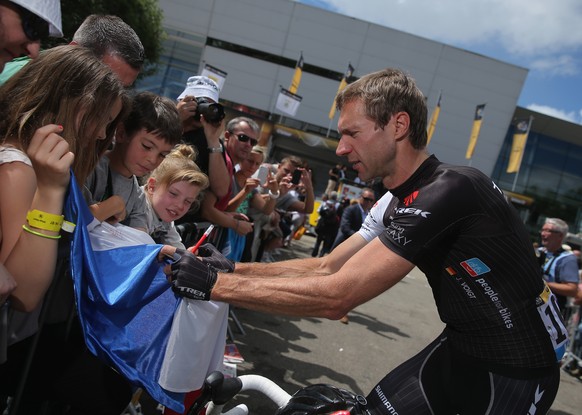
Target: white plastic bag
196, 345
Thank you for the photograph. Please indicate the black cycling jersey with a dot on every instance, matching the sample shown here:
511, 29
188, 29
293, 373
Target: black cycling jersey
456, 226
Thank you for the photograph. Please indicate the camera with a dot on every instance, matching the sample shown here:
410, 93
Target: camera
212, 111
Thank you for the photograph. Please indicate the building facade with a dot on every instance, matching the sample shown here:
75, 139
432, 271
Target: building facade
258, 42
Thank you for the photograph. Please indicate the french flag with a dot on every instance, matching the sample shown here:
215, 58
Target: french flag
130, 315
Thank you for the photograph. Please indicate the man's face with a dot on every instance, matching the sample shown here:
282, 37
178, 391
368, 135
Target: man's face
121, 68
241, 140
284, 169
13, 42
370, 150
551, 238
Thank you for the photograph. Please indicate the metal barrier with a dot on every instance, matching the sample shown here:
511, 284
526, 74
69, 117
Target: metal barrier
572, 360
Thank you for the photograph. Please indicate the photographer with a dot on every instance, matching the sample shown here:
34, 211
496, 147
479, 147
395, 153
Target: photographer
202, 124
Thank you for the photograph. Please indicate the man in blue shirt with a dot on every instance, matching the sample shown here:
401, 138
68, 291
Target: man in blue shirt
560, 266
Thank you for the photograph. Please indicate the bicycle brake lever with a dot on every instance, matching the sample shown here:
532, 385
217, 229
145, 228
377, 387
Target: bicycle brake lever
212, 385
229, 388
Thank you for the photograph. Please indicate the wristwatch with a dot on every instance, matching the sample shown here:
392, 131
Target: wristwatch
218, 149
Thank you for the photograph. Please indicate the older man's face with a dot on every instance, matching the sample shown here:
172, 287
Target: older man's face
551, 237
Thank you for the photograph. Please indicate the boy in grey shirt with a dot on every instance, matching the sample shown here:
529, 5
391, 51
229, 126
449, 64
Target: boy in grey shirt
146, 136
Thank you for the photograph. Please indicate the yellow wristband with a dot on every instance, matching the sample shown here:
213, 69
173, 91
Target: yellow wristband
42, 235
42, 220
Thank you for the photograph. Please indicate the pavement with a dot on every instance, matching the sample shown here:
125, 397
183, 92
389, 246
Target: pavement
296, 352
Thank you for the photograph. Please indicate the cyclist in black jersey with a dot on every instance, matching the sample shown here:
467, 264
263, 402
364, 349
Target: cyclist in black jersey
504, 335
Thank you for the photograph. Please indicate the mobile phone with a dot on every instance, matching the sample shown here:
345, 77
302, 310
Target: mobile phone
296, 176
262, 174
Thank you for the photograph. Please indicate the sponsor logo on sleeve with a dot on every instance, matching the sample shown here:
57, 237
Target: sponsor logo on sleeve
475, 267
396, 232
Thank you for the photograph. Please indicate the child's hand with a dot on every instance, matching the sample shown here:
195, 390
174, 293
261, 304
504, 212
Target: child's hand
111, 210
51, 159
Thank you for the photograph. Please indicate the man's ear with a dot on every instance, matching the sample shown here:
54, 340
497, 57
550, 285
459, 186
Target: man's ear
401, 125
227, 134
151, 185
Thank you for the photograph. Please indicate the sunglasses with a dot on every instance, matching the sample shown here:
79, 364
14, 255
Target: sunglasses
243, 138
369, 199
33, 26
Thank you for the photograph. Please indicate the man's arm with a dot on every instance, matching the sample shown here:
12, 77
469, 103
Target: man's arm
567, 289
307, 205
567, 273
217, 171
217, 217
304, 266
365, 275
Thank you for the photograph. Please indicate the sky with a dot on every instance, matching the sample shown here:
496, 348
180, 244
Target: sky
540, 35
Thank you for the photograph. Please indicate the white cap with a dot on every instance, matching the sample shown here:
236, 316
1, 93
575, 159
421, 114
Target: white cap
201, 87
48, 10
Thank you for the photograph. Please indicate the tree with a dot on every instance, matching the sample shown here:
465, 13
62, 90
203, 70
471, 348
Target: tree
144, 16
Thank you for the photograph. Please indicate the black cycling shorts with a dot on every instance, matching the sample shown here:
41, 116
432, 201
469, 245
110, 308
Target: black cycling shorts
437, 381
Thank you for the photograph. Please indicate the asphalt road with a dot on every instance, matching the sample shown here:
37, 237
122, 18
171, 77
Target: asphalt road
295, 352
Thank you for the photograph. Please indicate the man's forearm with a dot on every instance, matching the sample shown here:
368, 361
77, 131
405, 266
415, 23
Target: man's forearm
298, 267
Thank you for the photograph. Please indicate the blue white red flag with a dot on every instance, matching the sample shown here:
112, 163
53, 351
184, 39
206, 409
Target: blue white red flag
124, 301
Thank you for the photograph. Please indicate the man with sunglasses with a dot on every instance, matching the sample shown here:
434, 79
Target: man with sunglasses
23, 23
353, 216
239, 138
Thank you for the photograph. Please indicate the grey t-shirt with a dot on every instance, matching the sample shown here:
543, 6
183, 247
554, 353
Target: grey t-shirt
104, 182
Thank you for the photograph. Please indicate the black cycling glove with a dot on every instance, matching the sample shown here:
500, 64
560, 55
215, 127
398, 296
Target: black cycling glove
191, 277
212, 256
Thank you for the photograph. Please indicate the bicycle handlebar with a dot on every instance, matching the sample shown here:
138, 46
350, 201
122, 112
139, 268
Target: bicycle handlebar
217, 391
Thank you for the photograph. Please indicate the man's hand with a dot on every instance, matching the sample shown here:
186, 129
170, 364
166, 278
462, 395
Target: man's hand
187, 107
213, 257
191, 277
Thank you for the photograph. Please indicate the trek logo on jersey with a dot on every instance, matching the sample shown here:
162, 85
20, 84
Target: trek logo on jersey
412, 211
410, 198
475, 267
